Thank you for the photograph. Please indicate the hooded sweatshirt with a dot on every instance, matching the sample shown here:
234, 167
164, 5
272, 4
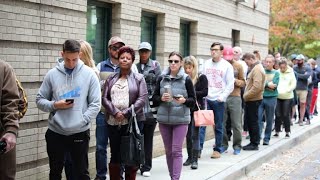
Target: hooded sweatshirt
287, 84
82, 85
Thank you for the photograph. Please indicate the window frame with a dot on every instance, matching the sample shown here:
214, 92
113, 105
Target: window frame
107, 26
186, 47
153, 17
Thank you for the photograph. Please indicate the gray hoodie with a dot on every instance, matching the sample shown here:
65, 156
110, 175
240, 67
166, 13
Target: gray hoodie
82, 85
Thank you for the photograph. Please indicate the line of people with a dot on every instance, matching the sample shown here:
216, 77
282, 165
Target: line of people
76, 92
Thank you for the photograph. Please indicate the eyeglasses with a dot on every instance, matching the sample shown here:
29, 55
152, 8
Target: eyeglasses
175, 61
215, 50
115, 48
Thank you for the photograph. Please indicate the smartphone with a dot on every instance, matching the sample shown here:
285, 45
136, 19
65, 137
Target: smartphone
177, 96
70, 101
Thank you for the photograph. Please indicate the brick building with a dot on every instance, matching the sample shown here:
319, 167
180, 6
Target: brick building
32, 31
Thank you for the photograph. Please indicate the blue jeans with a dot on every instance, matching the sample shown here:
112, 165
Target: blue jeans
101, 146
218, 110
268, 107
202, 136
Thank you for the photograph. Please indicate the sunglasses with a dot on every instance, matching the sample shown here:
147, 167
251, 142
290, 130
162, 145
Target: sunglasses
175, 61
115, 48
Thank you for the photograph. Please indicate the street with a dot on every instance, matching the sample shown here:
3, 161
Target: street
301, 162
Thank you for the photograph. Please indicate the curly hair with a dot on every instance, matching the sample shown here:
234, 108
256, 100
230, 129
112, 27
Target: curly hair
127, 49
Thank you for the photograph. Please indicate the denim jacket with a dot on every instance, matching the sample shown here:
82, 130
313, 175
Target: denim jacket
137, 95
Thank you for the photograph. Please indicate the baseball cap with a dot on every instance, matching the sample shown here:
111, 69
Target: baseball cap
293, 56
227, 53
114, 40
300, 57
145, 45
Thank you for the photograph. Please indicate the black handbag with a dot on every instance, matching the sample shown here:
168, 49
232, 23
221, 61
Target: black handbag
132, 144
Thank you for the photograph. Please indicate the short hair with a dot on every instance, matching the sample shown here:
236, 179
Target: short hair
177, 54
71, 45
257, 54
238, 49
248, 56
127, 49
217, 44
283, 61
312, 61
271, 57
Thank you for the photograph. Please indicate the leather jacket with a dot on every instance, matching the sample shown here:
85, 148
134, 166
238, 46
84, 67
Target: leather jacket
137, 95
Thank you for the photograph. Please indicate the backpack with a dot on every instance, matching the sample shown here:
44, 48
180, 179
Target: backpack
23, 101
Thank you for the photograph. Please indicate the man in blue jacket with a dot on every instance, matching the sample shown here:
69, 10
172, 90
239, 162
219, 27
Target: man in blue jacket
72, 105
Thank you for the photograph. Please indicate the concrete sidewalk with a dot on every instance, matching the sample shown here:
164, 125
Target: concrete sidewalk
231, 166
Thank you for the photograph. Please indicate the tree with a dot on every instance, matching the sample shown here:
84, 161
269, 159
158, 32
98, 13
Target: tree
294, 27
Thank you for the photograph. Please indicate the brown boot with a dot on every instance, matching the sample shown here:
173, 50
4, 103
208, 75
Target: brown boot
114, 171
131, 172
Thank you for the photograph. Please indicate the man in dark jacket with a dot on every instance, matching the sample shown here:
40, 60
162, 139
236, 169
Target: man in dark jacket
9, 97
151, 71
303, 73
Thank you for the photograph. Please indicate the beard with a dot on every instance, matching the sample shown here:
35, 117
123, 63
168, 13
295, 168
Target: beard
114, 56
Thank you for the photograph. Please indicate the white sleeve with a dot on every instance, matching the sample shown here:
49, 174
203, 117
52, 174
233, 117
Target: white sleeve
99, 67
134, 68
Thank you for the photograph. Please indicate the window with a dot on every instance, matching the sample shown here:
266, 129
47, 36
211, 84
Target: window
235, 38
149, 30
184, 39
98, 28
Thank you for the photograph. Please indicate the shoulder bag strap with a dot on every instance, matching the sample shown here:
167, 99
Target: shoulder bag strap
134, 119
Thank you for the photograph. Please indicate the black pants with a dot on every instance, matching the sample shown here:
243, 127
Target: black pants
251, 110
58, 145
283, 110
148, 131
245, 123
228, 127
115, 134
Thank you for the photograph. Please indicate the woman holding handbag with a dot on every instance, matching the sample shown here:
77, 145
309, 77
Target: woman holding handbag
121, 91
175, 96
200, 83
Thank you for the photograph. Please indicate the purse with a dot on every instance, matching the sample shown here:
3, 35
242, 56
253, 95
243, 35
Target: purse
132, 144
203, 117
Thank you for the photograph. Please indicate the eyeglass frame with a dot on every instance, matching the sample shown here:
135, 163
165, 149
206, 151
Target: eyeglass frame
170, 61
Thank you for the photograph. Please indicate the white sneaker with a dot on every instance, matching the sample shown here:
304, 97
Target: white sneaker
146, 174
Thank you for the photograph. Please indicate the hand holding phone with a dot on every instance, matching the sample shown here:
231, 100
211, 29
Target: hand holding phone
178, 96
70, 101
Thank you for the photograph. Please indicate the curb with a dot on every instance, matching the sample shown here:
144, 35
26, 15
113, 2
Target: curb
242, 168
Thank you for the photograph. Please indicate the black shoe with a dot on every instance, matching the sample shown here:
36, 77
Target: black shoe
265, 143
287, 135
194, 165
188, 162
250, 147
276, 135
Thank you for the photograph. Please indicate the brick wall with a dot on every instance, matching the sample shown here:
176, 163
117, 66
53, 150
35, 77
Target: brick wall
32, 31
